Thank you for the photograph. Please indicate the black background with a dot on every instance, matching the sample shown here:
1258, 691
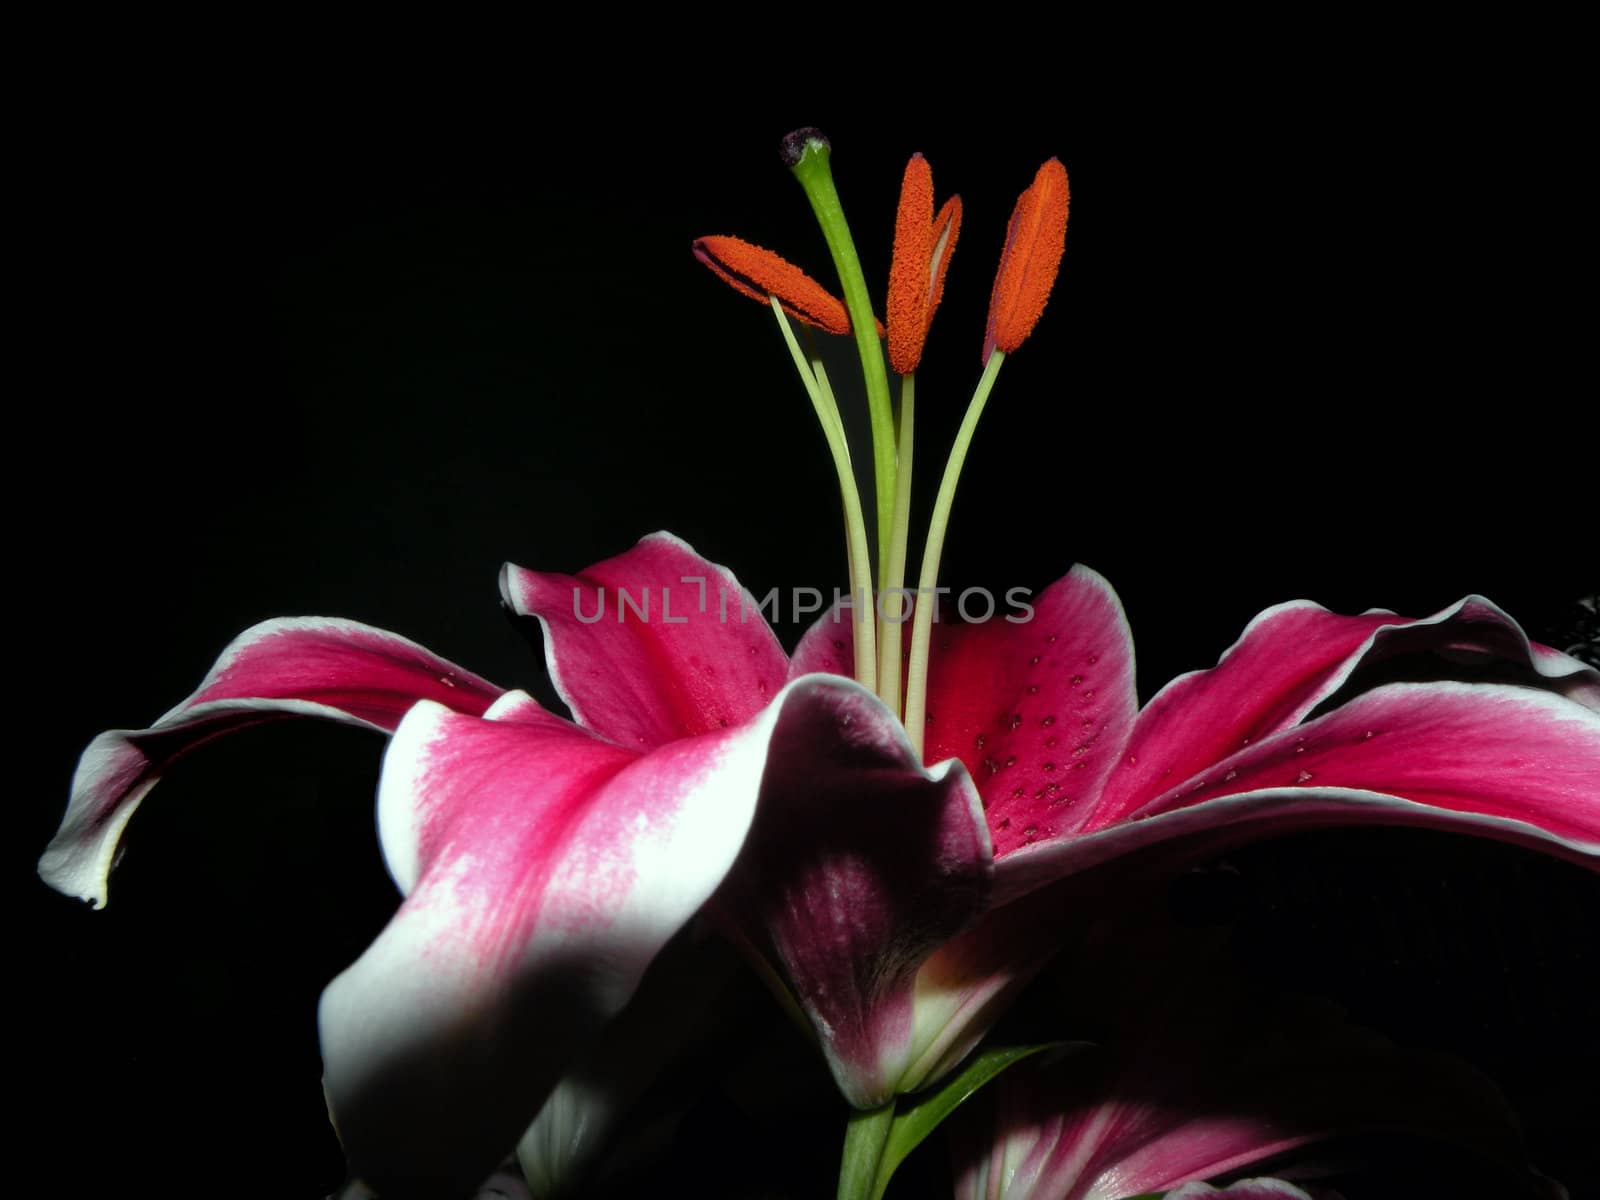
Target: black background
341, 344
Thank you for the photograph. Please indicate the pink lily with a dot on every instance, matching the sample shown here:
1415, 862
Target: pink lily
1312, 719
544, 863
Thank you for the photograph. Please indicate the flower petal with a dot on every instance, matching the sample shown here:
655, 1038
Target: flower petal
1037, 705
292, 667
1503, 752
1515, 764
1245, 1189
1200, 1076
828, 647
1297, 656
652, 645
1038, 710
860, 865
546, 869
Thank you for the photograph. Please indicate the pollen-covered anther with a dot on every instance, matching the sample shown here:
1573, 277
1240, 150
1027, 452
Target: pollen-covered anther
1035, 240
759, 273
923, 244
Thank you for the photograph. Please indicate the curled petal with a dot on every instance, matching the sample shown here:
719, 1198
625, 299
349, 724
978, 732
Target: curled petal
860, 865
652, 645
1503, 752
1299, 657
319, 667
1511, 763
760, 273
1035, 240
547, 867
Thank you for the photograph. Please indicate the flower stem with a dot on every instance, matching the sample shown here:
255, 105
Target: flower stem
815, 176
922, 625
893, 609
860, 557
864, 1140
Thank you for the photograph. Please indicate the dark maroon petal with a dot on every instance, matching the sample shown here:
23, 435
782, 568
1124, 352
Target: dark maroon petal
860, 865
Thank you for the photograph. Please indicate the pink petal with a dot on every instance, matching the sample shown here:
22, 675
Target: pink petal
1293, 657
1472, 748
1037, 710
828, 647
546, 868
1201, 1077
1515, 764
1245, 1189
860, 865
292, 667
642, 653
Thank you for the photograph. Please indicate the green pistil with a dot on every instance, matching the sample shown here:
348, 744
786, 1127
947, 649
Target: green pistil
860, 557
812, 170
922, 624
892, 604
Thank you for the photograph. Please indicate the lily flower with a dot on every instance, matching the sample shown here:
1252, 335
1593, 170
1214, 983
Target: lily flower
1312, 719
543, 862
893, 867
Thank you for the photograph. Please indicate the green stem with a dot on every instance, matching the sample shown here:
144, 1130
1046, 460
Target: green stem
922, 625
864, 1140
893, 604
860, 557
816, 178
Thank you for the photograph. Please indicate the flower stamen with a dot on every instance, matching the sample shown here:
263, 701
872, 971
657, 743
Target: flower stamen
1035, 239
758, 273
923, 244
